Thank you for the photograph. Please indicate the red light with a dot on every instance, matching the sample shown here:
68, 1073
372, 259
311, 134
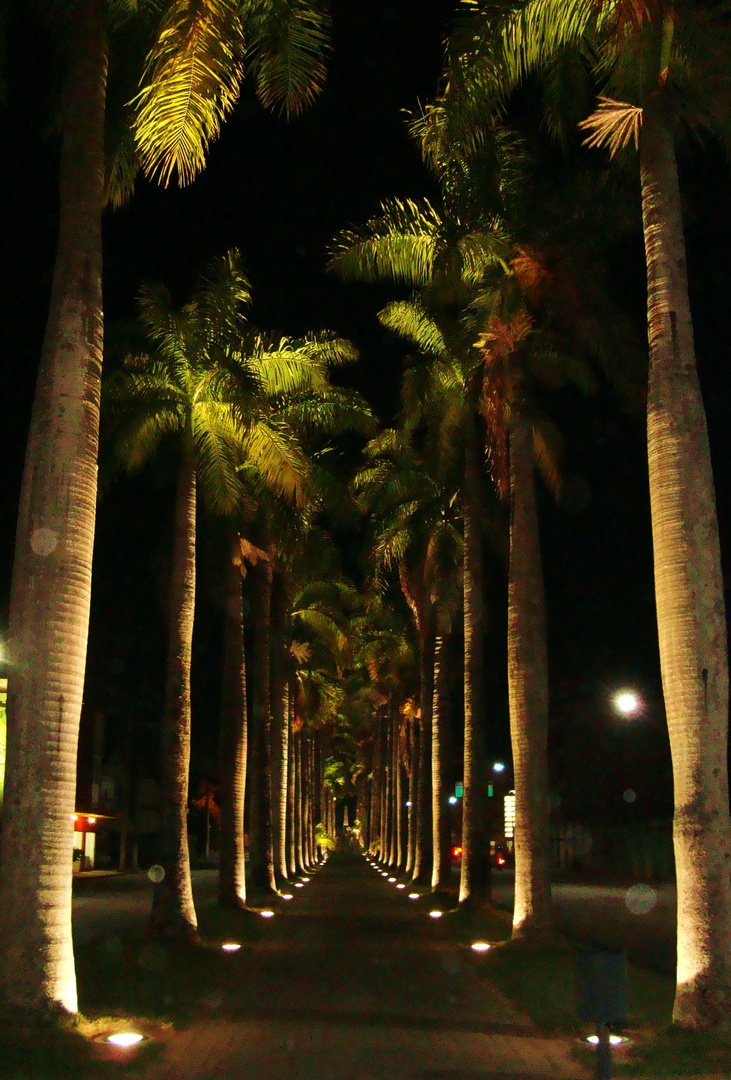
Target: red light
456, 851
501, 860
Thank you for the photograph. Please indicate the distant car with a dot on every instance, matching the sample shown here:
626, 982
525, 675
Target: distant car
500, 855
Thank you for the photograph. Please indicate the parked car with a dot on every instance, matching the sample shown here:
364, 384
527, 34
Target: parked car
501, 855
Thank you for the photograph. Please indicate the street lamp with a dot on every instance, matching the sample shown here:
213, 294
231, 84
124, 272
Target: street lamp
627, 703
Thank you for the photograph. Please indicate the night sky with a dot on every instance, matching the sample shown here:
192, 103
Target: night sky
280, 192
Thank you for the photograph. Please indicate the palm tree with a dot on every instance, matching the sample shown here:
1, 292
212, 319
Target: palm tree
197, 386
657, 66
51, 588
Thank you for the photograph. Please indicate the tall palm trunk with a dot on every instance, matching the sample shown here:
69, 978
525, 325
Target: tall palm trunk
283, 792
689, 598
233, 744
280, 726
398, 845
528, 695
441, 870
375, 815
51, 587
291, 792
299, 835
261, 848
173, 913
475, 857
423, 855
412, 776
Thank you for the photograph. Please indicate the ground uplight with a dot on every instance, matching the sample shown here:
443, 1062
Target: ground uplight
435, 914
413, 896
125, 1038
298, 885
392, 879
614, 1040
286, 896
400, 885
267, 914
480, 946
230, 946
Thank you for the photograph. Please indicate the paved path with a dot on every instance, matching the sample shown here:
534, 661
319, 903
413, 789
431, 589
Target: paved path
356, 982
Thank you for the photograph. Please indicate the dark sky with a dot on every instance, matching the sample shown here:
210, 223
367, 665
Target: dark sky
279, 192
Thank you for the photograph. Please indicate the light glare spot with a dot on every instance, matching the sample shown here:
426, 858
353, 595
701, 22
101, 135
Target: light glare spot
298, 885
286, 896
480, 946
125, 1038
435, 914
267, 914
43, 541
627, 702
400, 885
640, 899
392, 879
156, 873
230, 946
413, 896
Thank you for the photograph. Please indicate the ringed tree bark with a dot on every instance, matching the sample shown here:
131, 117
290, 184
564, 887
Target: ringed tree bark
441, 840
475, 872
51, 585
233, 742
173, 912
528, 694
689, 598
261, 845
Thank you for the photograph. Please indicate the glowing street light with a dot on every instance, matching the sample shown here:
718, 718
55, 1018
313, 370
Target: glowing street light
627, 702
453, 800
499, 766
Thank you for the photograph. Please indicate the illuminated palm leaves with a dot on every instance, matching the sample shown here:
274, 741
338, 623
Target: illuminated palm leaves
193, 74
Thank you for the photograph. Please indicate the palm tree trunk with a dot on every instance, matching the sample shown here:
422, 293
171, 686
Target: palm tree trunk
280, 726
375, 816
411, 816
299, 802
441, 869
291, 792
173, 914
233, 744
528, 696
283, 783
475, 855
423, 855
689, 598
261, 847
398, 798
393, 806
51, 586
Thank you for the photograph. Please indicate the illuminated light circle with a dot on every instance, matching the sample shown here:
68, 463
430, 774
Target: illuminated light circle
498, 767
452, 800
392, 879
400, 885
629, 795
156, 873
305, 879
91, 820
614, 1040
409, 803
230, 946
480, 946
43, 541
627, 702
267, 914
298, 885
413, 896
435, 914
286, 896
640, 899
125, 1038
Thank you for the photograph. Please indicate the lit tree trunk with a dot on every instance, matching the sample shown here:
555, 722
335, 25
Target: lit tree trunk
298, 801
280, 726
412, 780
307, 799
233, 744
441, 870
398, 797
261, 848
387, 783
51, 587
375, 819
394, 808
475, 857
423, 855
284, 783
528, 695
689, 598
291, 792
173, 913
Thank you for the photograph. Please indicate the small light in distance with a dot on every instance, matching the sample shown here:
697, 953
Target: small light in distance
400, 885
614, 1040
480, 946
452, 800
267, 914
230, 946
298, 885
498, 767
392, 879
435, 914
413, 896
125, 1038
91, 820
409, 803
286, 896
627, 702
305, 879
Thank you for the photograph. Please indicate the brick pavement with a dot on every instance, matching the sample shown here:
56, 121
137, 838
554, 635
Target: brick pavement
355, 982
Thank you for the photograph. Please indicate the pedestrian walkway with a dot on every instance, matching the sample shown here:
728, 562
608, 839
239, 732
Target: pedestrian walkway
356, 982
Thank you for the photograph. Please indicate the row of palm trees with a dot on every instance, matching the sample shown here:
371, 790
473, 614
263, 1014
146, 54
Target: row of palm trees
500, 309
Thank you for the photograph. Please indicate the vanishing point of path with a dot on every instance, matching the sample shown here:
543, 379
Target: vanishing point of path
354, 981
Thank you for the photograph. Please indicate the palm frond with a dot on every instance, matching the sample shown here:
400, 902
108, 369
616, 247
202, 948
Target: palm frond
122, 164
409, 319
278, 458
401, 244
288, 41
613, 125
217, 439
190, 83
